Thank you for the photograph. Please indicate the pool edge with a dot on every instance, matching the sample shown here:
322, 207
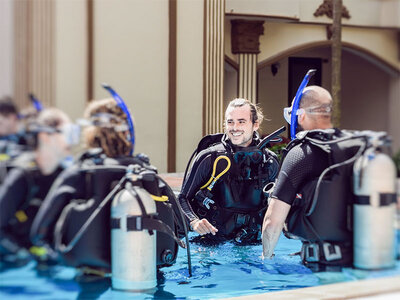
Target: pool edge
345, 290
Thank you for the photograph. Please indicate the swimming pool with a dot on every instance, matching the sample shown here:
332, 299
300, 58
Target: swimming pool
218, 272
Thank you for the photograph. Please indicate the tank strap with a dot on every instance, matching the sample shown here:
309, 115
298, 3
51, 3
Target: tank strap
149, 222
384, 199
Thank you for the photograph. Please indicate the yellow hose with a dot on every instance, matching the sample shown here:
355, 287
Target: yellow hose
157, 198
210, 183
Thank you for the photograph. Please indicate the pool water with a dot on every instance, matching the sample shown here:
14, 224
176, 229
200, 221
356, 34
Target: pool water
218, 271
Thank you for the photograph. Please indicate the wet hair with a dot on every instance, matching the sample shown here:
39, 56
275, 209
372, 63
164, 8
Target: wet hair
255, 111
113, 142
7, 106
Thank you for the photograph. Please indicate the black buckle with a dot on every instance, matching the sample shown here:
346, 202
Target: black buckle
134, 223
310, 252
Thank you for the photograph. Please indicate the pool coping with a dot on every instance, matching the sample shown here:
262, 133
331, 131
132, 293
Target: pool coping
366, 288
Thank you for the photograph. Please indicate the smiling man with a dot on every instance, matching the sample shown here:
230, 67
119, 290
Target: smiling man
222, 194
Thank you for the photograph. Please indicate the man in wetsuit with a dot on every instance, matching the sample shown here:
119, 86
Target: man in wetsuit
231, 207
9, 125
325, 229
28, 182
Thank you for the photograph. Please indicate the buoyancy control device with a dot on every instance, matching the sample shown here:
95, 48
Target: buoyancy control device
351, 203
374, 207
83, 235
238, 210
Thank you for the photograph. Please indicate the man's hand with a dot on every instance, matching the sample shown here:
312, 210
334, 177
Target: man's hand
203, 227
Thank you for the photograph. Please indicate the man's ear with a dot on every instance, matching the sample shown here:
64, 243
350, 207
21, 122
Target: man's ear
256, 125
300, 118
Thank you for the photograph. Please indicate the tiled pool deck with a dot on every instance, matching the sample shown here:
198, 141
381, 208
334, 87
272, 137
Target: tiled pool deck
371, 289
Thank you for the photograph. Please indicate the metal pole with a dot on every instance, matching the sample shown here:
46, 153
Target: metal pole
336, 60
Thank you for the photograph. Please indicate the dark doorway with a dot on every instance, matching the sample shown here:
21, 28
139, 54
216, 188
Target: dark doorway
298, 67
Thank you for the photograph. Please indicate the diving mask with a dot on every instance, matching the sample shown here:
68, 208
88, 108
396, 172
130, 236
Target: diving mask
315, 110
254, 155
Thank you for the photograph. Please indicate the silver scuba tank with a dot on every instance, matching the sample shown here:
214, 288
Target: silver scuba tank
374, 210
133, 252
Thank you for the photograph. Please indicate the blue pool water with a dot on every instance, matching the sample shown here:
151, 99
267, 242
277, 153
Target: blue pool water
219, 271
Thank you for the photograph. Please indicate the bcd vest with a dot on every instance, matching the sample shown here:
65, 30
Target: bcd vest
239, 200
93, 249
322, 209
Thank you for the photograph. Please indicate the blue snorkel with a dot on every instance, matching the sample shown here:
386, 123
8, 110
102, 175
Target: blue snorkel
125, 109
296, 103
36, 103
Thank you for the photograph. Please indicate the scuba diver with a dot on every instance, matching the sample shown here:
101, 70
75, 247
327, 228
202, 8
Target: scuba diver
30, 178
13, 125
222, 193
8, 119
11, 143
74, 219
314, 198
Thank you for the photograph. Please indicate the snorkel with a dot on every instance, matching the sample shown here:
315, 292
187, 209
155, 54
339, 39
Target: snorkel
125, 109
36, 103
296, 103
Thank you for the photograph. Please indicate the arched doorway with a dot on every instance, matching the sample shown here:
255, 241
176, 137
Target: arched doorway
370, 87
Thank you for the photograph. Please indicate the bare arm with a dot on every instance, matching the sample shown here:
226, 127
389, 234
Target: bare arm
273, 224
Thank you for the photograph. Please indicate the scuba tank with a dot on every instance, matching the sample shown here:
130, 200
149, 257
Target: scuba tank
374, 209
133, 252
134, 222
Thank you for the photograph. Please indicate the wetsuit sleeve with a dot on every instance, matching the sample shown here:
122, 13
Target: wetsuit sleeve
302, 164
69, 185
13, 193
198, 176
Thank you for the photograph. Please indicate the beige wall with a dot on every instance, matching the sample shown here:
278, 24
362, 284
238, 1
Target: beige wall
362, 12
381, 42
273, 96
189, 84
370, 97
230, 84
70, 57
6, 48
131, 54
279, 37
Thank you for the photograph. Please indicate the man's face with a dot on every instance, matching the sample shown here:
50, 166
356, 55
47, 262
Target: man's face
53, 147
8, 124
238, 125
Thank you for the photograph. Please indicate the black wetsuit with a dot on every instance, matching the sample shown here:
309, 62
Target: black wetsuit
328, 222
11, 146
238, 195
21, 195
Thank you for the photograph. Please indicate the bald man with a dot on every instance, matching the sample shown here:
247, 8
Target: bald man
325, 236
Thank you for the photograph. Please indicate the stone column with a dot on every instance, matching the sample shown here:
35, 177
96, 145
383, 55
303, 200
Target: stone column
213, 114
245, 43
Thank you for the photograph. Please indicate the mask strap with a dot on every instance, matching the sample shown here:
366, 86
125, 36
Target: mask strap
122, 105
296, 102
